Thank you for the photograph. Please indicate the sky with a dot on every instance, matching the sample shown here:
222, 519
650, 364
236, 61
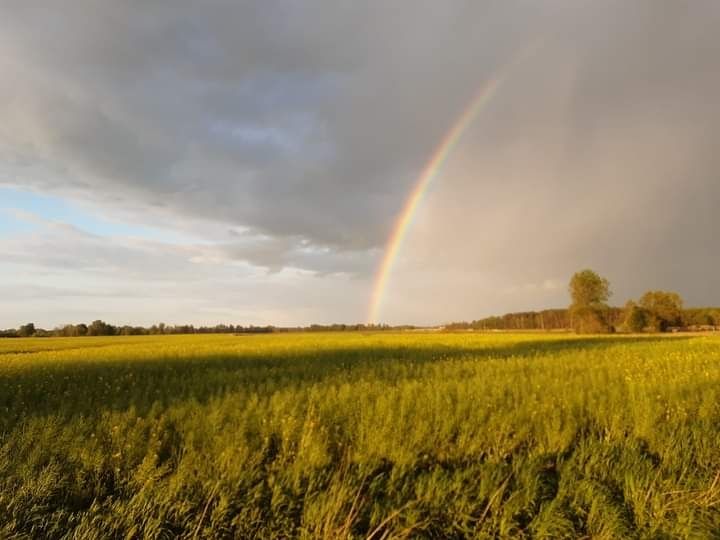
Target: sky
245, 162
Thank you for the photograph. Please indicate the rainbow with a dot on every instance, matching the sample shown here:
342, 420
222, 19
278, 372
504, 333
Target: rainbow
429, 173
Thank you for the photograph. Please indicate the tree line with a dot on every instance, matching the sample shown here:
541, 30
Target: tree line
589, 312
101, 328
546, 319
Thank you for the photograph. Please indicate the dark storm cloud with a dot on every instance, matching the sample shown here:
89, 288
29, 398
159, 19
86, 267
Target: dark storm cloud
293, 119
306, 124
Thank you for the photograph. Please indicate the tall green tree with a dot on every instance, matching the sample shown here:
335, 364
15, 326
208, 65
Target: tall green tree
664, 309
589, 293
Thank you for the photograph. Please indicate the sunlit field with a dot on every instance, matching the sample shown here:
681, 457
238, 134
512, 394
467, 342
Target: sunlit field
421, 435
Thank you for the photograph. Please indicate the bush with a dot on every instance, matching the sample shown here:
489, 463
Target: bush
636, 318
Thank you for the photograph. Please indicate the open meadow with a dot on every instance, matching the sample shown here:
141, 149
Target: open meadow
352, 435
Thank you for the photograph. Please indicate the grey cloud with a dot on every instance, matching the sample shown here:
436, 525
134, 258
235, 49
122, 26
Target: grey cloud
293, 120
60, 246
29, 291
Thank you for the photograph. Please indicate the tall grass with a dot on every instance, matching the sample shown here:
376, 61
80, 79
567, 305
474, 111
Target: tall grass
360, 436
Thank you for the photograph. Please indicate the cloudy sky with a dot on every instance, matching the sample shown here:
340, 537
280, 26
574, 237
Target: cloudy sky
244, 162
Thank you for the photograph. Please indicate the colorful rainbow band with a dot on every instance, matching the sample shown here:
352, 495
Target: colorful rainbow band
430, 172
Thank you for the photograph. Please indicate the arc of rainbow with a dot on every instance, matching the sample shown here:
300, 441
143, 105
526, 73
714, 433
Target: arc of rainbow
429, 173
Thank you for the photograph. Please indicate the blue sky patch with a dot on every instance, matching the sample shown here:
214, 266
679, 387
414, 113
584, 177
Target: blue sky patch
14, 202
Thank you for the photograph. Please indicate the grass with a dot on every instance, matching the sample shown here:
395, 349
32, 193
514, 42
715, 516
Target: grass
360, 436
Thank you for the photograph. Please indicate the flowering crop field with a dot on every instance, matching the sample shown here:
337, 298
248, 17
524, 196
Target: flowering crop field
351, 435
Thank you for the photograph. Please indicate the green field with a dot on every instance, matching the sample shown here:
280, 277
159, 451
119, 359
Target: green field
360, 435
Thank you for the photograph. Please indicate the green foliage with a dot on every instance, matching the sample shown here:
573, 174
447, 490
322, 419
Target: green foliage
26, 330
414, 435
636, 318
589, 320
588, 289
100, 328
664, 309
588, 311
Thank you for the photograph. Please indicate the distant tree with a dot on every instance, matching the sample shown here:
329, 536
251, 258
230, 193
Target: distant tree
636, 318
701, 317
589, 310
664, 309
587, 288
100, 328
590, 320
130, 330
69, 330
26, 330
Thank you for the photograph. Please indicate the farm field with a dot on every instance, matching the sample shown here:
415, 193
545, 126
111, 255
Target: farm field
385, 435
